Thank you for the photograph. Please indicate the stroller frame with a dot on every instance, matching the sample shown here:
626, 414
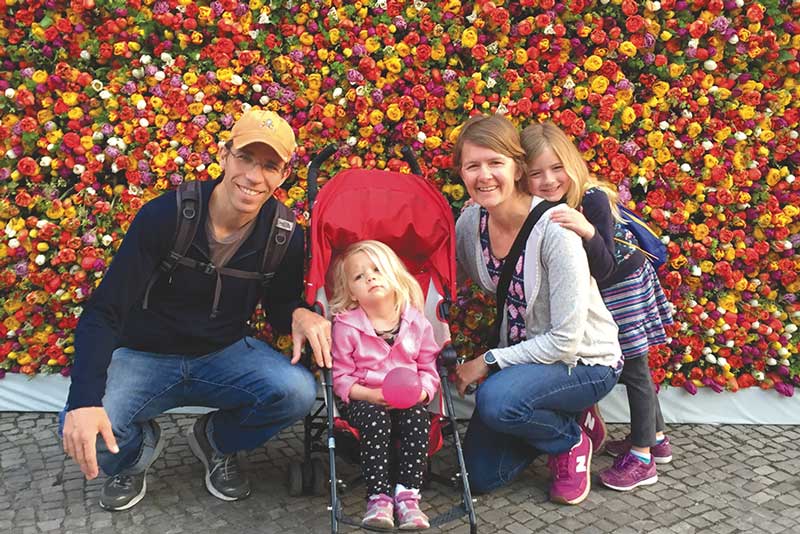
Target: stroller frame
308, 476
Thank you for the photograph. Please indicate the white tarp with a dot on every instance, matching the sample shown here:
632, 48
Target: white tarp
19, 393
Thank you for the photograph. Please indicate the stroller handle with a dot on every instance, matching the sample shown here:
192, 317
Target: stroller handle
409, 156
313, 171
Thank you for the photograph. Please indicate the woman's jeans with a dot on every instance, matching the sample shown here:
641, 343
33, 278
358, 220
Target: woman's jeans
257, 390
525, 410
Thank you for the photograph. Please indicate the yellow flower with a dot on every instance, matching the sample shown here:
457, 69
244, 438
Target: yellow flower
520, 56
372, 44
375, 117
694, 130
675, 69
402, 49
75, 113
190, 78
710, 161
469, 37
581, 93
393, 64
451, 100
655, 139
394, 113
433, 142
648, 164
296, 193
599, 84
766, 136
628, 48
706, 266
663, 155
39, 76
628, 115
69, 98
747, 112
592, 63
660, 88
214, 170
437, 52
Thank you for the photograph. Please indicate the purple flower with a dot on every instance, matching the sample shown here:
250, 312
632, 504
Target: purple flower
720, 24
21, 268
787, 390
354, 77
690, 387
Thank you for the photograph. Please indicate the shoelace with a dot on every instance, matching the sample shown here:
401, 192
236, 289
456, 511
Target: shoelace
122, 481
623, 460
561, 464
227, 465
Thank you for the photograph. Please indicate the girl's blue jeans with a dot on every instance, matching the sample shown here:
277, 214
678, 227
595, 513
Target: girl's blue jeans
257, 391
524, 410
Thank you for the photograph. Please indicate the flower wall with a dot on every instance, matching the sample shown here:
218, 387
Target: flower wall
689, 107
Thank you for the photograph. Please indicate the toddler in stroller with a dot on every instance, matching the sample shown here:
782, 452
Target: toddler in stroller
379, 325
414, 225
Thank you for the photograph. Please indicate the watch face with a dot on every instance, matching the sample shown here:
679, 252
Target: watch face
489, 358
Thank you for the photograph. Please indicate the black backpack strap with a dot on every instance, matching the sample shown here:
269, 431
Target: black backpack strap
510, 262
189, 200
280, 234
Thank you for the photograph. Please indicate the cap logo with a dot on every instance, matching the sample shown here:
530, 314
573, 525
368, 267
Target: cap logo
268, 124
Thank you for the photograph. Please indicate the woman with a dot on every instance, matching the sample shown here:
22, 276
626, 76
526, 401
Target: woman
558, 350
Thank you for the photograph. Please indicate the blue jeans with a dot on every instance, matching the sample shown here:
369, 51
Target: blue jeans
257, 390
525, 410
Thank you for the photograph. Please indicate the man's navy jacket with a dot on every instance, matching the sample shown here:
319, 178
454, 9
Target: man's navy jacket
178, 316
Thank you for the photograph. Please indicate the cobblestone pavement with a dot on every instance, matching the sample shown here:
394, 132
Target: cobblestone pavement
723, 479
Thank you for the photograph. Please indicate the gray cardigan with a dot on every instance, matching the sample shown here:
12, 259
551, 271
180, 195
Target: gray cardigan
566, 320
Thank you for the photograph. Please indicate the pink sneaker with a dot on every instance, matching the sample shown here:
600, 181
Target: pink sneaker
380, 512
591, 420
662, 453
571, 481
629, 472
409, 516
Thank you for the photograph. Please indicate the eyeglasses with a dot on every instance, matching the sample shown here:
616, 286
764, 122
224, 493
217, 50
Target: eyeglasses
246, 160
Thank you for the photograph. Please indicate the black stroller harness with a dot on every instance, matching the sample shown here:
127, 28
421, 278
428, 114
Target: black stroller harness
190, 207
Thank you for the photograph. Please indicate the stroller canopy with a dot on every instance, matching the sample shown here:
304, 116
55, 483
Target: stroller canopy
404, 211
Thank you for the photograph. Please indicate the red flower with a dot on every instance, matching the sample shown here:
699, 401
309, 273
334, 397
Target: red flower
27, 166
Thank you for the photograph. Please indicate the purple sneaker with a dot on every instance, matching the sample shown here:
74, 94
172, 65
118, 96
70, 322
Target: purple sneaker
591, 421
571, 481
629, 472
662, 453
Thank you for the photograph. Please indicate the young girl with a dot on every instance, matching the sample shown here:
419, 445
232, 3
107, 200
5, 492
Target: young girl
630, 290
379, 325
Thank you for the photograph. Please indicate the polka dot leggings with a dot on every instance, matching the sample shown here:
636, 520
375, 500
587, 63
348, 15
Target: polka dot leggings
377, 425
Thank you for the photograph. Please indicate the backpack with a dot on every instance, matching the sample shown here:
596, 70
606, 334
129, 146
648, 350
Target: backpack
190, 206
646, 241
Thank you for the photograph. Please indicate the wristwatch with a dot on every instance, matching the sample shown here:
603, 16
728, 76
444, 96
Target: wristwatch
490, 361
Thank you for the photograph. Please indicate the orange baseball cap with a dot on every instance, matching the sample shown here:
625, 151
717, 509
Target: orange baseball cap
264, 126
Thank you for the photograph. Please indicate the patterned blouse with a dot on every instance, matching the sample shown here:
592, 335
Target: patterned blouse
515, 301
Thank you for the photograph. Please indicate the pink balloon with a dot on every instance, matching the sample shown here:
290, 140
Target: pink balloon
401, 388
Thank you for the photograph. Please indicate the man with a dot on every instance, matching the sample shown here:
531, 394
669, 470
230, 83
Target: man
151, 340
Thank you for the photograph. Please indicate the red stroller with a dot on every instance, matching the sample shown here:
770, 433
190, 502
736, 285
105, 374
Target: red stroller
409, 215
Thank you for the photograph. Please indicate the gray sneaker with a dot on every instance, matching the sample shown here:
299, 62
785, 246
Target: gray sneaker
224, 477
124, 491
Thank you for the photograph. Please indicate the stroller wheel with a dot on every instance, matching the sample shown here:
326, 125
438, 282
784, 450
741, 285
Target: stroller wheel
295, 479
320, 478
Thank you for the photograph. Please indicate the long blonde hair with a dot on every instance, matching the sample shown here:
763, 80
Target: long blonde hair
406, 288
496, 133
538, 137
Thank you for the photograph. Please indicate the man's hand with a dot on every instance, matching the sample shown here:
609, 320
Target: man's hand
81, 427
469, 373
314, 328
574, 220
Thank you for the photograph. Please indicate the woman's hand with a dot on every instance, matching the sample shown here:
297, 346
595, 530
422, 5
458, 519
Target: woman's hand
574, 220
469, 373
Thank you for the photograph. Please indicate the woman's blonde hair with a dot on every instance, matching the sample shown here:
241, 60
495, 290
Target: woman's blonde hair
538, 137
406, 288
496, 133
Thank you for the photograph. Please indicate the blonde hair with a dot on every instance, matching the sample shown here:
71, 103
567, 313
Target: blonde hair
496, 133
538, 137
406, 288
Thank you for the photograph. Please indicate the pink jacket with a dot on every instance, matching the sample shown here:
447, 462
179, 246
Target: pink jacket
360, 356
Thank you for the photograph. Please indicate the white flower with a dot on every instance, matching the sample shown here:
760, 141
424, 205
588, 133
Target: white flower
178, 160
664, 125
9, 93
710, 65
105, 94
337, 92
263, 100
200, 95
421, 137
79, 169
40, 259
45, 161
734, 39
710, 358
772, 361
740, 136
207, 109
257, 87
146, 59
138, 73
236, 80
707, 145
491, 82
351, 141
159, 76
106, 240
97, 85
141, 104
85, 55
